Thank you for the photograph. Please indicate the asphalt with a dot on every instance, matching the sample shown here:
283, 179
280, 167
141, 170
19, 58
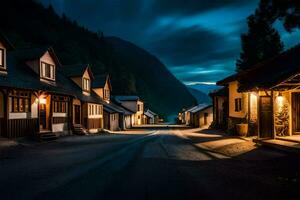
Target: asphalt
158, 164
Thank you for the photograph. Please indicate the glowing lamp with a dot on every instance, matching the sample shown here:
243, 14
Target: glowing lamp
42, 100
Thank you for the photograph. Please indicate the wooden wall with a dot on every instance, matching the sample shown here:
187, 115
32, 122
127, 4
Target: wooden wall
92, 123
21, 128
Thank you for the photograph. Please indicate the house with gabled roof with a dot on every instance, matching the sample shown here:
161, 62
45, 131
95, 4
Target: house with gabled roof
87, 106
34, 99
134, 104
151, 117
266, 97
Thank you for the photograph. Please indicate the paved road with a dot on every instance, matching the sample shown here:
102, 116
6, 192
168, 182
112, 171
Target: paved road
157, 165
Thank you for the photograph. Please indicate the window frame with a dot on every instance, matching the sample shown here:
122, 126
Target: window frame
2, 66
60, 104
88, 89
18, 99
43, 71
238, 104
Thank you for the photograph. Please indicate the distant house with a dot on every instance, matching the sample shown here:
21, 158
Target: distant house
187, 115
134, 104
151, 117
200, 115
220, 107
266, 97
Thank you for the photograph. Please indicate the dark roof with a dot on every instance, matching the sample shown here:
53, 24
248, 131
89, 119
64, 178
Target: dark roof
228, 79
6, 42
19, 75
220, 92
127, 98
112, 108
100, 80
76, 70
33, 53
271, 72
199, 108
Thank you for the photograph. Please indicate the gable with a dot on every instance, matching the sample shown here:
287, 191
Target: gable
47, 58
86, 74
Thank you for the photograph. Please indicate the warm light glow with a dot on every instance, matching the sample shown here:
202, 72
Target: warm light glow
279, 101
42, 100
253, 107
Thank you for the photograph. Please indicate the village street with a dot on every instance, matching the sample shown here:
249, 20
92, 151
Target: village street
147, 164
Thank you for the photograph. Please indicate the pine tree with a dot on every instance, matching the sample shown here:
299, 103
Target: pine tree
262, 42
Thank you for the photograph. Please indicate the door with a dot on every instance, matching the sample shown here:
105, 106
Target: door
43, 117
265, 120
76, 114
205, 118
296, 112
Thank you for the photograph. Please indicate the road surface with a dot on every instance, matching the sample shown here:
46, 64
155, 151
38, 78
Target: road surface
160, 164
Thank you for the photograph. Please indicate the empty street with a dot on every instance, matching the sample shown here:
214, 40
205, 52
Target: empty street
156, 163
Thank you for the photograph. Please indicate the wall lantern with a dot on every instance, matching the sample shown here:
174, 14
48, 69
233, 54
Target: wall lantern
42, 100
280, 101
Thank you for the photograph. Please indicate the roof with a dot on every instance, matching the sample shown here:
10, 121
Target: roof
149, 112
127, 98
228, 79
6, 42
200, 107
100, 81
220, 92
271, 72
33, 53
21, 76
76, 70
113, 108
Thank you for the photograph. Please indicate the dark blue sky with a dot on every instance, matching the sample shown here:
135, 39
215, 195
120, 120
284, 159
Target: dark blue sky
198, 40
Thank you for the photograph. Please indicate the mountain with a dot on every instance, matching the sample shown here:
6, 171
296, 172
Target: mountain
133, 70
205, 88
200, 96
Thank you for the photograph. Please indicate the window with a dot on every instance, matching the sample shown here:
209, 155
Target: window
2, 58
139, 107
47, 71
106, 94
60, 104
86, 84
20, 101
237, 104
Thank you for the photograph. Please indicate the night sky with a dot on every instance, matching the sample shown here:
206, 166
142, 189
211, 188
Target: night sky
198, 40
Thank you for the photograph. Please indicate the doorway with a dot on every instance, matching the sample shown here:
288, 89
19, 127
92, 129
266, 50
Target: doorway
296, 113
265, 119
43, 117
77, 114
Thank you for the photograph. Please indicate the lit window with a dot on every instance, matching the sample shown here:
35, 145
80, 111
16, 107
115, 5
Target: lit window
86, 84
2, 58
20, 101
47, 71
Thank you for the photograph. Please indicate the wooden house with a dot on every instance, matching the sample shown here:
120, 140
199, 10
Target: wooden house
151, 117
200, 115
33, 97
267, 96
87, 106
134, 104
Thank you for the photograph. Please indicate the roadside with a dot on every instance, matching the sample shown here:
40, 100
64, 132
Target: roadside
232, 146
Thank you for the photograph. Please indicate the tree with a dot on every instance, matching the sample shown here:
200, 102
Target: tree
288, 11
260, 43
